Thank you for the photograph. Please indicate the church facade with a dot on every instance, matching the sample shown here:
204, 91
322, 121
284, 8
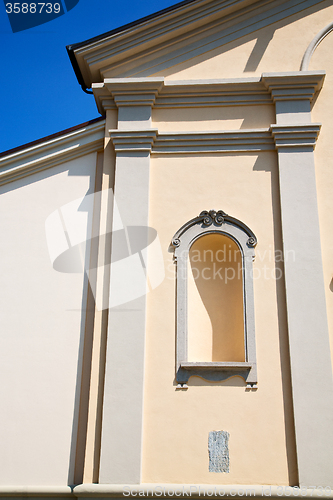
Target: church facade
167, 268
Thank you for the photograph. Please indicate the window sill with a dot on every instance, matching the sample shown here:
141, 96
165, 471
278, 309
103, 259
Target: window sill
217, 371
216, 365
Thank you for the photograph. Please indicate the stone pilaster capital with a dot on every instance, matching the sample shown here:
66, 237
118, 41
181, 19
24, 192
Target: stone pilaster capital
290, 86
117, 92
295, 136
133, 141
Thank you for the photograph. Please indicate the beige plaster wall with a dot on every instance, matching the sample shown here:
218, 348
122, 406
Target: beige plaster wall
277, 47
213, 118
41, 332
177, 423
323, 112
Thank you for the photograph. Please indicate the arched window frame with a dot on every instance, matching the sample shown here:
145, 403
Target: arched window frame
219, 223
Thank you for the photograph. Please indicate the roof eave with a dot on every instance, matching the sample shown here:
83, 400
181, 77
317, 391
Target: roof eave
71, 49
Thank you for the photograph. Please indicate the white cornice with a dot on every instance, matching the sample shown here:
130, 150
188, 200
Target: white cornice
225, 141
158, 30
295, 136
180, 35
220, 141
52, 152
293, 85
207, 93
115, 92
172, 94
132, 141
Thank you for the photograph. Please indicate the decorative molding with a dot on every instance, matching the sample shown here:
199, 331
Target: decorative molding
206, 100
51, 153
133, 141
136, 90
104, 100
216, 372
211, 93
176, 36
144, 99
295, 136
94, 56
160, 94
116, 92
186, 94
240, 141
313, 45
210, 222
293, 86
216, 218
223, 141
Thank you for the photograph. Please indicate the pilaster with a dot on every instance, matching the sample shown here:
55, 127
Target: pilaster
121, 443
311, 371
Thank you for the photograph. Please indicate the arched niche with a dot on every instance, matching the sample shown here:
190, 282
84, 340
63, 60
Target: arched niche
222, 340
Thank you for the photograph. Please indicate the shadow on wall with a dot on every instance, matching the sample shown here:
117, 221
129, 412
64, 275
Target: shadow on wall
216, 315
225, 118
261, 164
32, 209
265, 36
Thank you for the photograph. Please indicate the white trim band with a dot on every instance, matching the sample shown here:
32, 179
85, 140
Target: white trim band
313, 45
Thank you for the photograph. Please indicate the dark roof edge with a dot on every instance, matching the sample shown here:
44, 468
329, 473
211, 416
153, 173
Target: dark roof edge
76, 67
49, 137
71, 48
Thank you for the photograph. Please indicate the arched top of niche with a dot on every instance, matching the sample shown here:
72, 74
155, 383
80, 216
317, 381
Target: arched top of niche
214, 222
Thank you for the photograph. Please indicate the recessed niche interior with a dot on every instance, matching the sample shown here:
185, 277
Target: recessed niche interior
215, 300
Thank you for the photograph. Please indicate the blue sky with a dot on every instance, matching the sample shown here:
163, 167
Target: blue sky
40, 94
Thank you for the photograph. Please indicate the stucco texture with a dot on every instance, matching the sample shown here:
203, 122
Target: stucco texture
177, 423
